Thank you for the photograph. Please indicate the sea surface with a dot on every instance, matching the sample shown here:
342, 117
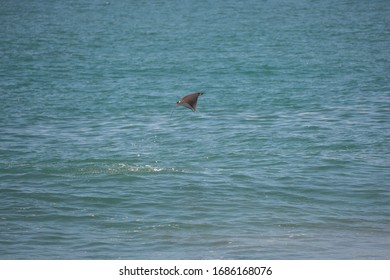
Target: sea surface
287, 156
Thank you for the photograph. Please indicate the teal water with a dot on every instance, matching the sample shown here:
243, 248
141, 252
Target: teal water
287, 157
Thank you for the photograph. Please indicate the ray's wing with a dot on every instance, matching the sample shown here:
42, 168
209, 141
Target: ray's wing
190, 101
189, 106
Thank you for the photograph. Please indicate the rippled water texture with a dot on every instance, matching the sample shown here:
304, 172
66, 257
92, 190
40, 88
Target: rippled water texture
287, 156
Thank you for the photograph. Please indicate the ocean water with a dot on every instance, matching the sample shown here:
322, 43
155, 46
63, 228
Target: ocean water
287, 157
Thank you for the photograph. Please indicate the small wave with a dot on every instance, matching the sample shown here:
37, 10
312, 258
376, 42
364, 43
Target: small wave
124, 168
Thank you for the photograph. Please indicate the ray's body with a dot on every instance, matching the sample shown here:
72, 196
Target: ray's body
190, 101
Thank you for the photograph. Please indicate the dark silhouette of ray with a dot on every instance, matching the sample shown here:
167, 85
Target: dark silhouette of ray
190, 101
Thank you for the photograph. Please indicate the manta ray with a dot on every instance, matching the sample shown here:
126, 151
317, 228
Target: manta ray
190, 101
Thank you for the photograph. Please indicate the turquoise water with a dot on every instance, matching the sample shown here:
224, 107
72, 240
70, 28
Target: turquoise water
287, 157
